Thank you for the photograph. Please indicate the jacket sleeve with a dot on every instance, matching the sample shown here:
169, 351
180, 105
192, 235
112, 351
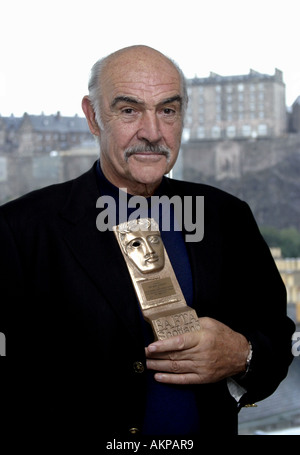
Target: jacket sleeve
261, 313
11, 285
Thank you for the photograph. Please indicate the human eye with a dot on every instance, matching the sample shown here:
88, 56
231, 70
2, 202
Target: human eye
127, 111
169, 111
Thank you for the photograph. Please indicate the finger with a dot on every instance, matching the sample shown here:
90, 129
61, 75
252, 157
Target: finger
186, 354
178, 343
179, 379
168, 355
171, 366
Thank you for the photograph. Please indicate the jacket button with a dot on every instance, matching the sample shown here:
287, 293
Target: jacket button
134, 430
138, 367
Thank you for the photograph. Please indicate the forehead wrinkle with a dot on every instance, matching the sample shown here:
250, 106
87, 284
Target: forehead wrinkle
142, 94
147, 81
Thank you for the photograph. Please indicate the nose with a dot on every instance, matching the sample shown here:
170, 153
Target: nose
148, 250
149, 130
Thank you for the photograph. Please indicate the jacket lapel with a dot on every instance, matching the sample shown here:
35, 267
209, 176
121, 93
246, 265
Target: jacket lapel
98, 252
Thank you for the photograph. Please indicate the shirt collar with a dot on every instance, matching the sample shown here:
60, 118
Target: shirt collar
107, 188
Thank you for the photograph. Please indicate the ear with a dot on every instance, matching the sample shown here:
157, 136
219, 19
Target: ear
90, 116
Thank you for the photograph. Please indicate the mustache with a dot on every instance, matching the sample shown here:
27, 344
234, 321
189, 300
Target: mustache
148, 148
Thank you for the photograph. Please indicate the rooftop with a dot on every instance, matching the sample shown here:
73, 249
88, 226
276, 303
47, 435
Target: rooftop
47, 123
253, 75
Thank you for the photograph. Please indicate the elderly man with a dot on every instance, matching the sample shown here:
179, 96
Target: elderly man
69, 307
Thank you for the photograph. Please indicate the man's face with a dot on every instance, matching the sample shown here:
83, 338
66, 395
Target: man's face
141, 105
145, 249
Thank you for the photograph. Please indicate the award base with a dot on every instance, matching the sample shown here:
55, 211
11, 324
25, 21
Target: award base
170, 323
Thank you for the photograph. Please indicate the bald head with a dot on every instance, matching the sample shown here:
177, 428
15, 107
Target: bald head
136, 103
142, 59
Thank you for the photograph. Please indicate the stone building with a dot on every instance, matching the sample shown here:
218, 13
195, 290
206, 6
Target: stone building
35, 134
245, 106
295, 116
39, 150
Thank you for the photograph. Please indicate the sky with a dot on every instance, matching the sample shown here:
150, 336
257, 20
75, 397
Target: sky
48, 47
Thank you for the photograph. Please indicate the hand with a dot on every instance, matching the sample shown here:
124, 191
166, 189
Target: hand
208, 355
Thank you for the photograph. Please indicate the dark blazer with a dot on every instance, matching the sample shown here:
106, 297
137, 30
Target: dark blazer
72, 324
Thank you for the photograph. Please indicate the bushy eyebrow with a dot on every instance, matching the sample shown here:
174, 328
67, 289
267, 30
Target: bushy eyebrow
129, 99
126, 99
177, 98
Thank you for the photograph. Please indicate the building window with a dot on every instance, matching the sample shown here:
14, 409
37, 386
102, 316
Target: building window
231, 131
200, 132
240, 87
246, 130
262, 130
215, 132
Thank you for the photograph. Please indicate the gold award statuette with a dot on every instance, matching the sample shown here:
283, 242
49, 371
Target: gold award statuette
161, 300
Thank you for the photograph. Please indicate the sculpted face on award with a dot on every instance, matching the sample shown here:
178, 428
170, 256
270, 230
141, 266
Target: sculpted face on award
144, 247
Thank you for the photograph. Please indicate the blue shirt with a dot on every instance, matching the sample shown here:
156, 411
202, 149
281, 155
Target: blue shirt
170, 409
